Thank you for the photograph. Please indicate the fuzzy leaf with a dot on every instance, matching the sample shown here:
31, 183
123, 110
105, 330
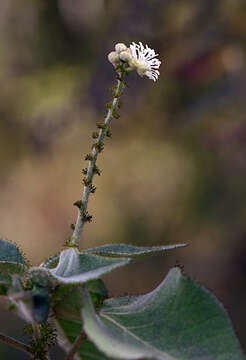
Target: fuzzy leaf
97, 291
7, 269
71, 329
78, 268
179, 320
11, 261
10, 252
51, 262
88, 351
68, 299
68, 303
122, 250
40, 298
68, 317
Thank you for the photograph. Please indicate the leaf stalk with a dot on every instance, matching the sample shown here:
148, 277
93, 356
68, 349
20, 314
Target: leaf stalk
75, 347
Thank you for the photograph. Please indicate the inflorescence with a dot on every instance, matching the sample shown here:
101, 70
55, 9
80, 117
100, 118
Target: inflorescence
124, 59
137, 57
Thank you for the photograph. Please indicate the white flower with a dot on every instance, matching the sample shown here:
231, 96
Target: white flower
144, 61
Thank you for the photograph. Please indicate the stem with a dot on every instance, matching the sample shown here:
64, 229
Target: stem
63, 340
82, 213
75, 347
15, 343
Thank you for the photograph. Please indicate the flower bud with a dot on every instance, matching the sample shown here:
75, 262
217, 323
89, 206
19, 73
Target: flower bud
120, 47
113, 57
126, 55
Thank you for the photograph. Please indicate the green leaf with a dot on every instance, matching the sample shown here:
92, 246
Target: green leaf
67, 308
11, 261
68, 299
9, 252
97, 287
78, 268
87, 351
3, 289
51, 262
122, 250
97, 291
41, 307
7, 269
180, 319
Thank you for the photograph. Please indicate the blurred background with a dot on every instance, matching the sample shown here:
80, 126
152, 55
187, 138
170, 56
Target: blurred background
175, 168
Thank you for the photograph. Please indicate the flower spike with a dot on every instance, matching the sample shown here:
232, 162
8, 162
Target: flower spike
136, 57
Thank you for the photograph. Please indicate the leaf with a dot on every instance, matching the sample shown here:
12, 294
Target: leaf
11, 261
68, 299
51, 262
122, 250
78, 268
180, 319
10, 252
3, 289
97, 291
21, 300
7, 269
97, 287
87, 351
67, 309
40, 298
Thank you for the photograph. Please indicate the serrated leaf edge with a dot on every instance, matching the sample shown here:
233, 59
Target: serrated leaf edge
26, 261
154, 249
15, 263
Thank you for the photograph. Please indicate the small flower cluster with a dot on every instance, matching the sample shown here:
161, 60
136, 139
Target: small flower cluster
137, 57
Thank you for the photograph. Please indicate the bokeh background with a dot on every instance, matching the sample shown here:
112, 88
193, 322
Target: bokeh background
175, 168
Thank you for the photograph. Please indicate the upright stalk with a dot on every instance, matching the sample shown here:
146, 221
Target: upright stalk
83, 216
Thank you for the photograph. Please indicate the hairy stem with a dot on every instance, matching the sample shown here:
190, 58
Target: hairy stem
96, 149
15, 343
75, 347
63, 340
